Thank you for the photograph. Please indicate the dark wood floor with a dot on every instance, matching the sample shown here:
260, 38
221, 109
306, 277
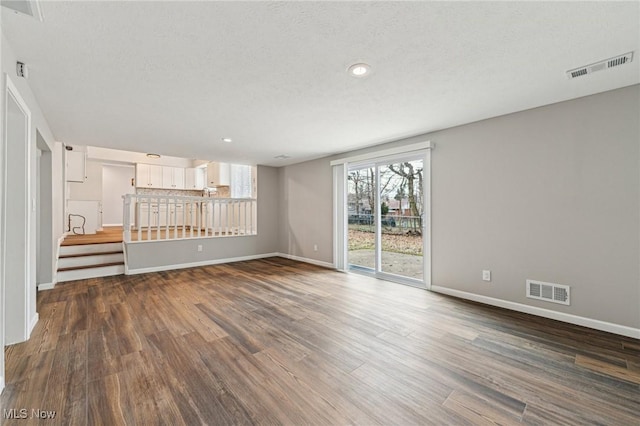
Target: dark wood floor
280, 342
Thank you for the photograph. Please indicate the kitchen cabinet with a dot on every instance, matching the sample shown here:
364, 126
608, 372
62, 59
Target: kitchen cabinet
194, 178
172, 177
176, 215
162, 215
76, 163
148, 176
218, 174
152, 215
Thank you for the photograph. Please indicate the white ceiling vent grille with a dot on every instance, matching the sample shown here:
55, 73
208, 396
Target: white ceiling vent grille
550, 292
25, 7
602, 65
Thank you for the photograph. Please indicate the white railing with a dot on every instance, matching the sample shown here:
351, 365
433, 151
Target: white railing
163, 217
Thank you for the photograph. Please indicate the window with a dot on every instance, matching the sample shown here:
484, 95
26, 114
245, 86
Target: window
241, 182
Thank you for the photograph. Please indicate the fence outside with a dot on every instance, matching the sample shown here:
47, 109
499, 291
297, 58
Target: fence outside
155, 217
390, 223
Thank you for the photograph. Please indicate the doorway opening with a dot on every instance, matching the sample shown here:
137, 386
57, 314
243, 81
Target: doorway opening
117, 180
44, 214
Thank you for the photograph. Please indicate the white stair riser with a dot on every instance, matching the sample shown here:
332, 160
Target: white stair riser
81, 274
67, 262
90, 248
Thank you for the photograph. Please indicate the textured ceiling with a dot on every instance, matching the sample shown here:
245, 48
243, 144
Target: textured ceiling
176, 77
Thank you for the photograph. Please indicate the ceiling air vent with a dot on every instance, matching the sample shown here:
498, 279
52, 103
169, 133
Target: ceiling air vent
550, 292
602, 65
25, 7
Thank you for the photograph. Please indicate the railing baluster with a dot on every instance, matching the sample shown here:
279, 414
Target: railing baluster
176, 217
190, 219
245, 217
148, 219
167, 216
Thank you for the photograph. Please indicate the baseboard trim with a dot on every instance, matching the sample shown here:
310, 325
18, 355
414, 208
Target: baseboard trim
32, 324
46, 286
307, 260
609, 327
196, 264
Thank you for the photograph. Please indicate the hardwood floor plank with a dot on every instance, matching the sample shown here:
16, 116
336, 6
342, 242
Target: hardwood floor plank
482, 410
66, 389
617, 371
275, 341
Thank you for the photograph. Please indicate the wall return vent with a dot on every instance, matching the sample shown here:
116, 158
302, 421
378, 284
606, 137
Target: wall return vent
602, 65
550, 292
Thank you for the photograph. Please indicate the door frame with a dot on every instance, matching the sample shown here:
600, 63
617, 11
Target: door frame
24, 323
340, 173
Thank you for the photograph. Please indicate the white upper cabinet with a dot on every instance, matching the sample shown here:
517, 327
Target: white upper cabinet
149, 176
75, 166
172, 177
194, 178
218, 174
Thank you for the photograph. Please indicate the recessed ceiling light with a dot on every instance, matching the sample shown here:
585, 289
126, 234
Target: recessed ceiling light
227, 140
153, 155
359, 70
282, 156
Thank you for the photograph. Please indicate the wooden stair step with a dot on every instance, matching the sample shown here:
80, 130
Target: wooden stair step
65, 256
98, 265
72, 242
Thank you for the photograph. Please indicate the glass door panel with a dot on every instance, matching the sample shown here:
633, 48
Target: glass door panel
401, 218
361, 197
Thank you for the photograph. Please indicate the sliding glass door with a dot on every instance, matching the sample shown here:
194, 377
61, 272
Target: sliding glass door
361, 196
386, 217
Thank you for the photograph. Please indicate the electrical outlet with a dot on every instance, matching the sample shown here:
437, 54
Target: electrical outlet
315, 247
199, 247
486, 275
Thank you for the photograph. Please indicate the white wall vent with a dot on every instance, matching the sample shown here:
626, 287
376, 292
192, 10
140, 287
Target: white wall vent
550, 292
602, 65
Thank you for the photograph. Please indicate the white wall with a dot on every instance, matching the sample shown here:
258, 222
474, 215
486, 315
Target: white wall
551, 194
39, 123
91, 188
306, 210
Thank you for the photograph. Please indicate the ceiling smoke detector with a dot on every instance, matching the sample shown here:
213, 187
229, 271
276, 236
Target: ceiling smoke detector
601, 65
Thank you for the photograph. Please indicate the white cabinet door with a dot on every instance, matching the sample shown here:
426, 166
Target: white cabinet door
177, 215
155, 176
218, 174
172, 177
75, 166
142, 175
194, 178
148, 176
144, 218
178, 177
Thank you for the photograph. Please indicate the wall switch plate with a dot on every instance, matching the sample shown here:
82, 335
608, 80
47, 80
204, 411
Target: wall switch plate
199, 247
315, 247
486, 275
